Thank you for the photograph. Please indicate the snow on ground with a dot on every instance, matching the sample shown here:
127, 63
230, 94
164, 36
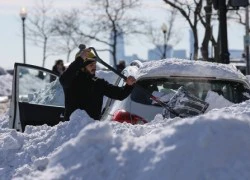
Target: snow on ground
5, 91
214, 146
5, 84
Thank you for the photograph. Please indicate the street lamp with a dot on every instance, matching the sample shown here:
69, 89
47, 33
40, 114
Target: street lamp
164, 30
23, 15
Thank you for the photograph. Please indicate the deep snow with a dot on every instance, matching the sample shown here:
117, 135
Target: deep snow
214, 146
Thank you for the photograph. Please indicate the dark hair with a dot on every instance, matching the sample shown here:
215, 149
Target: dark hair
58, 61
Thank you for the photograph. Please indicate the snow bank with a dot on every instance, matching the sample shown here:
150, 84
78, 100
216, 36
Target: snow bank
5, 84
212, 146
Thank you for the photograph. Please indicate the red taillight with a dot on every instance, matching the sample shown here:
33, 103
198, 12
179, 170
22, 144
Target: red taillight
124, 116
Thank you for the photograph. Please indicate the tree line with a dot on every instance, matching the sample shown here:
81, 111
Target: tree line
104, 21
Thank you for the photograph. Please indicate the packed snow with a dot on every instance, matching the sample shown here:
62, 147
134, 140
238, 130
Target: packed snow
6, 85
214, 145
189, 68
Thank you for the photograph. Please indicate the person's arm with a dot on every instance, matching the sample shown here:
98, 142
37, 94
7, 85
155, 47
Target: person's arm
119, 93
70, 73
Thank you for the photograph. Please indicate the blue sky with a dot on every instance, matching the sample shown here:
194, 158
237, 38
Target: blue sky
11, 32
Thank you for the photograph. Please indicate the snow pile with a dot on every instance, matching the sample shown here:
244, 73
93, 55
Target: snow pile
2, 71
5, 84
216, 101
182, 67
212, 146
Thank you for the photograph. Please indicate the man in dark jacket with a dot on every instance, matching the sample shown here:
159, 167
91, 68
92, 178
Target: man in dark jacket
83, 90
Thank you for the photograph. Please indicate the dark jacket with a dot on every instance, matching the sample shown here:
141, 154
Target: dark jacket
83, 91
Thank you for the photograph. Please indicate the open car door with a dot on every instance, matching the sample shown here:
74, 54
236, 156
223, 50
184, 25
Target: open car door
37, 97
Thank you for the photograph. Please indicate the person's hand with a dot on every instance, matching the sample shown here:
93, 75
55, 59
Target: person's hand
130, 80
84, 53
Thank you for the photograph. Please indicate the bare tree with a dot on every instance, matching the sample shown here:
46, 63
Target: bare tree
64, 26
111, 20
155, 34
189, 10
39, 26
206, 22
237, 15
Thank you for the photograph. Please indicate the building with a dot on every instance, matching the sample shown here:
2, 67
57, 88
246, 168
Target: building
156, 53
120, 51
180, 53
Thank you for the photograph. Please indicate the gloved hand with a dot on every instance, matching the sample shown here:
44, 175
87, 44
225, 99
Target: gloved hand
85, 53
130, 80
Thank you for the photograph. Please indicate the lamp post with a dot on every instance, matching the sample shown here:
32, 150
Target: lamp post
23, 15
164, 30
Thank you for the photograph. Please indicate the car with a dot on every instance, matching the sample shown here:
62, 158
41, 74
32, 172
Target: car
163, 78
36, 100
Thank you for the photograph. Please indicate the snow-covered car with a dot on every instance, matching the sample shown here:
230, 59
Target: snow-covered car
219, 85
36, 100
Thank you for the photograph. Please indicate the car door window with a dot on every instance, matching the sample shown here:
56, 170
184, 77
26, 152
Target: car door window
39, 87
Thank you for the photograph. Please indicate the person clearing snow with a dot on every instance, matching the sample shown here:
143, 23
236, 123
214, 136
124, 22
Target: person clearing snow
83, 90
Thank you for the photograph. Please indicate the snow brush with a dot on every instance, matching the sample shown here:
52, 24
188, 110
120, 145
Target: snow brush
154, 98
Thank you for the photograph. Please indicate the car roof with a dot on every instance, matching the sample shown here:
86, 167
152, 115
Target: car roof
188, 68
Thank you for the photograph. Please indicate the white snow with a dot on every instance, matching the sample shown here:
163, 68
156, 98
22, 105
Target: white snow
5, 84
216, 101
214, 146
189, 68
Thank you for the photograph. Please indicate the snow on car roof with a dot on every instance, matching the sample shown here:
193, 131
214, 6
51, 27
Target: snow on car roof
184, 67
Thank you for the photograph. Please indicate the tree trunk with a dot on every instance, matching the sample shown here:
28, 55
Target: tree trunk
44, 51
196, 42
208, 33
114, 47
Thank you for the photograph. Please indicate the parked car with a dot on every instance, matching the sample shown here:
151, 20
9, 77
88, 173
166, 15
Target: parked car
37, 101
165, 77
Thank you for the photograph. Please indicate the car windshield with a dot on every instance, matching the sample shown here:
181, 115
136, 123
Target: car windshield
233, 91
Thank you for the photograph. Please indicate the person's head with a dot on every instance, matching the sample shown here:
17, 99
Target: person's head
90, 68
59, 64
89, 64
122, 63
